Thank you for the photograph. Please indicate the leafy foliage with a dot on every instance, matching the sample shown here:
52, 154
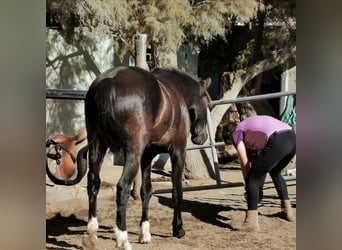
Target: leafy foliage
167, 23
272, 30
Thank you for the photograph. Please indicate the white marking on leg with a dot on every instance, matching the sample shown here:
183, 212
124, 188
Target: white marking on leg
93, 225
145, 235
122, 239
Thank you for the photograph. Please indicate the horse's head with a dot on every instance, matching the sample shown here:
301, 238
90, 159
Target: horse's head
198, 113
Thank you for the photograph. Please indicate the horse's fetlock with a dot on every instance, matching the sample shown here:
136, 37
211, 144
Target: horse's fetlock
93, 225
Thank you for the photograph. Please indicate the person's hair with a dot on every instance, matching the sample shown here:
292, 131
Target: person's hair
228, 130
232, 126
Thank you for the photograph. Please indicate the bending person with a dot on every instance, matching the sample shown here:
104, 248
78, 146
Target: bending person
275, 143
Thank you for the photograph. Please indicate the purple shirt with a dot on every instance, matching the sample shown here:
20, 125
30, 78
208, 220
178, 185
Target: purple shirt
255, 131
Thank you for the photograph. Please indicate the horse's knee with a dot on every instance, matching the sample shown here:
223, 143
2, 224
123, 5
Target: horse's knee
122, 188
146, 191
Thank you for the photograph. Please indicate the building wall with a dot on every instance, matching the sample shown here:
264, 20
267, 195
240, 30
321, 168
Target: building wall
68, 67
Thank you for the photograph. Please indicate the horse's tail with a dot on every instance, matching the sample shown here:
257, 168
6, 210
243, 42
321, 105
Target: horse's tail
81, 169
101, 118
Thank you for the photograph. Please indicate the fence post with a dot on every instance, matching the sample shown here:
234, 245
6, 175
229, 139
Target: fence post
213, 148
140, 51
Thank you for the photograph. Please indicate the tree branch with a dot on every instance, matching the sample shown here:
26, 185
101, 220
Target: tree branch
241, 77
202, 3
61, 57
91, 66
278, 57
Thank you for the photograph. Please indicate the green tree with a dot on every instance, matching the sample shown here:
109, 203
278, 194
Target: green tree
168, 24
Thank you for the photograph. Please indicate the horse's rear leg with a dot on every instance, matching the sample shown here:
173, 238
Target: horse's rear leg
178, 161
129, 172
96, 156
145, 194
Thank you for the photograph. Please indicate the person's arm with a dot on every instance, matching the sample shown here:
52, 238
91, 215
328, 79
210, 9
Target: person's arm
244, 163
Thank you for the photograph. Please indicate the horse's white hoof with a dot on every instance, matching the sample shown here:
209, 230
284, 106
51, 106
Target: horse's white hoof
122, 239
145, 235
124, 245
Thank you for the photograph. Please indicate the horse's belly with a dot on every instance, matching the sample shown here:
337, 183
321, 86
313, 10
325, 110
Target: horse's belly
170, 137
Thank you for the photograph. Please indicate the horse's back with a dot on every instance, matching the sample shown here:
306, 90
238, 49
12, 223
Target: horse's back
122, 102
125, 81
124, 88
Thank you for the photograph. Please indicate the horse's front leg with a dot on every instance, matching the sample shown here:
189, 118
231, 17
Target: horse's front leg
129, 172
178, 161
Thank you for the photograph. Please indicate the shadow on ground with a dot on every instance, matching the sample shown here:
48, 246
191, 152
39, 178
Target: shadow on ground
67, 225
204, 211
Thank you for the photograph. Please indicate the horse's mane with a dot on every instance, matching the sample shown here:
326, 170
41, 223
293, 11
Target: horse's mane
179, 72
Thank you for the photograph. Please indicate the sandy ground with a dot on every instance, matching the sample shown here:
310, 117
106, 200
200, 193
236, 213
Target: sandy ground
209, 216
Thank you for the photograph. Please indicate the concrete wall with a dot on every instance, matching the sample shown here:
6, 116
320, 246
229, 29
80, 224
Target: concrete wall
288, 83
72, 66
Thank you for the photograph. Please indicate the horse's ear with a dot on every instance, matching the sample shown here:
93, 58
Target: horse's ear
206, 83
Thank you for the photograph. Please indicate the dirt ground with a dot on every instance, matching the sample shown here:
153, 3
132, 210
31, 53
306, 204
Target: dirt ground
209, 216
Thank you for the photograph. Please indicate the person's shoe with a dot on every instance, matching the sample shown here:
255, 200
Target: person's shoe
287, 211
251, 223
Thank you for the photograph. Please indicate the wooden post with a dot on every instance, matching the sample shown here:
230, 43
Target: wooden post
140, 51
140, 61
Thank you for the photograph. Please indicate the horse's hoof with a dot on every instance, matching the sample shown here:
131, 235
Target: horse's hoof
124, 246
89, 242
179, 233
144, 239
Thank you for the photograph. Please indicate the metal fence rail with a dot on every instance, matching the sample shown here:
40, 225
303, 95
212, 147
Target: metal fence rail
254, 98
66, 94
221, 185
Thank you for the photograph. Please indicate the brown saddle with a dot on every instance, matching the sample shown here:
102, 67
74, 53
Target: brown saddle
61, 154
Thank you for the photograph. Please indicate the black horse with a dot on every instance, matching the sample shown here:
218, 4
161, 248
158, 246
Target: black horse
142, 114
